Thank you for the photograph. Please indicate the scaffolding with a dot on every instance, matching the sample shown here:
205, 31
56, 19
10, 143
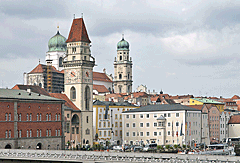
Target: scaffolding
49, 76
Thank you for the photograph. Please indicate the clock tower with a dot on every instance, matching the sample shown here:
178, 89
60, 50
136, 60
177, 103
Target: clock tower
78, 77
123, 68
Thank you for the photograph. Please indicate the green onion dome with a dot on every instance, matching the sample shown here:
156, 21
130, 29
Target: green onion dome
57, 43
123, 45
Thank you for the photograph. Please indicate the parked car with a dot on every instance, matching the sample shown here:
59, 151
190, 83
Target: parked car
117, 148
150, 147
138, 149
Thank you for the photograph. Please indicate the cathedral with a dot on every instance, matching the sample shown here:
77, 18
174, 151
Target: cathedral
68, 70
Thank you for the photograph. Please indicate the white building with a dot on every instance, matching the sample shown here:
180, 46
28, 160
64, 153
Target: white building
163, 124
107, 121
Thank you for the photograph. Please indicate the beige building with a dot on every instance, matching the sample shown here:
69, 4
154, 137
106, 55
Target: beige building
78, 77
107, 121
163, 124
123, 68
234, 126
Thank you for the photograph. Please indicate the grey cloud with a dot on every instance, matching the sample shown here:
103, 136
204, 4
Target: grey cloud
29, 9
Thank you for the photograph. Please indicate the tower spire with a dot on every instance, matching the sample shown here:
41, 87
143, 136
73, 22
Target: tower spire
58, 29
122, 36
82, 15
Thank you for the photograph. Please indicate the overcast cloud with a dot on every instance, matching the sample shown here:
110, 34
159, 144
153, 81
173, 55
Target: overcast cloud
179, 46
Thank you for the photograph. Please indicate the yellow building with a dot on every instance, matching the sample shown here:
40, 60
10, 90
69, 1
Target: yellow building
201, 101
107, 121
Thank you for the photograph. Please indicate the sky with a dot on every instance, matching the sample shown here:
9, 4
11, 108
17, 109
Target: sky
178, 46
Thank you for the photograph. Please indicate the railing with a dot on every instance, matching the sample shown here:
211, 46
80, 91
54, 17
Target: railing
91, 156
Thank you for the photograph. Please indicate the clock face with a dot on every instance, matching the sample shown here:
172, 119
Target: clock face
71, 76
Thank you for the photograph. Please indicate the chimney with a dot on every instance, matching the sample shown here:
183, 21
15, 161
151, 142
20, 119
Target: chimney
104, 70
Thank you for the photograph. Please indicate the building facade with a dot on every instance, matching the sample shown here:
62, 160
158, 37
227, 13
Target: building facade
30, 120
78, 77
123, 68
107, 121
162, 124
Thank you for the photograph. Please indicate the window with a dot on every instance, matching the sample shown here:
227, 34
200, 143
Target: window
109, 124
100, 116
116, 124
177, 114
169, 124
20, 133
159, 133
134, 134
56, 132
155, 115
56, 117
141, 133
99, 124
40, 117
177, 123
20, 117
147, 133
9, 116
134, 116
168, 132
67, 127
100, 133
141, 124
67, 115
165, 115
6, 134
155, 133
30, 133
46, 117
37, 132
9, 134
6, 117
27, 133
73, 131
127, 116
141, 115
37, 116
127, 133
116, 116
104, 133
169, 114
30, 117
49, 117
27, 116
147, 124
127, 124
155, 124
133, 125
147, 116
120, 116
116, 133
59, 131
87, 119
73, 93
59, 117
50, 132
104, 124
87, 97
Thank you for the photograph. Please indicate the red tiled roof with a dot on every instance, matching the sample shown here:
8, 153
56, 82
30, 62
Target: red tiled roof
181, 96
98, 76
100, 88
33, 88
235, 97
41, 68
235, 119
68, 102
78, 32
154, 98
199, 107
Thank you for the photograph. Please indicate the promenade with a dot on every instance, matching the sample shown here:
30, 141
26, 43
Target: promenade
21, 155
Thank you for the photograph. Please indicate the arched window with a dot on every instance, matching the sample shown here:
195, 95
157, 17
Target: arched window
6, 116
87, 97
87, 131
49, 117
120, 88
47, 132
46, 117
60, 62
120, 76
27, 116
37, 116
56, 117
75, 119
120, 58
73, 93
40, 85
128, 76
87, 119
40, 117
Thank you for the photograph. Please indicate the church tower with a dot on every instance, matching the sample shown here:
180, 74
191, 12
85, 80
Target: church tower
123, 68
56, 50
78, 77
